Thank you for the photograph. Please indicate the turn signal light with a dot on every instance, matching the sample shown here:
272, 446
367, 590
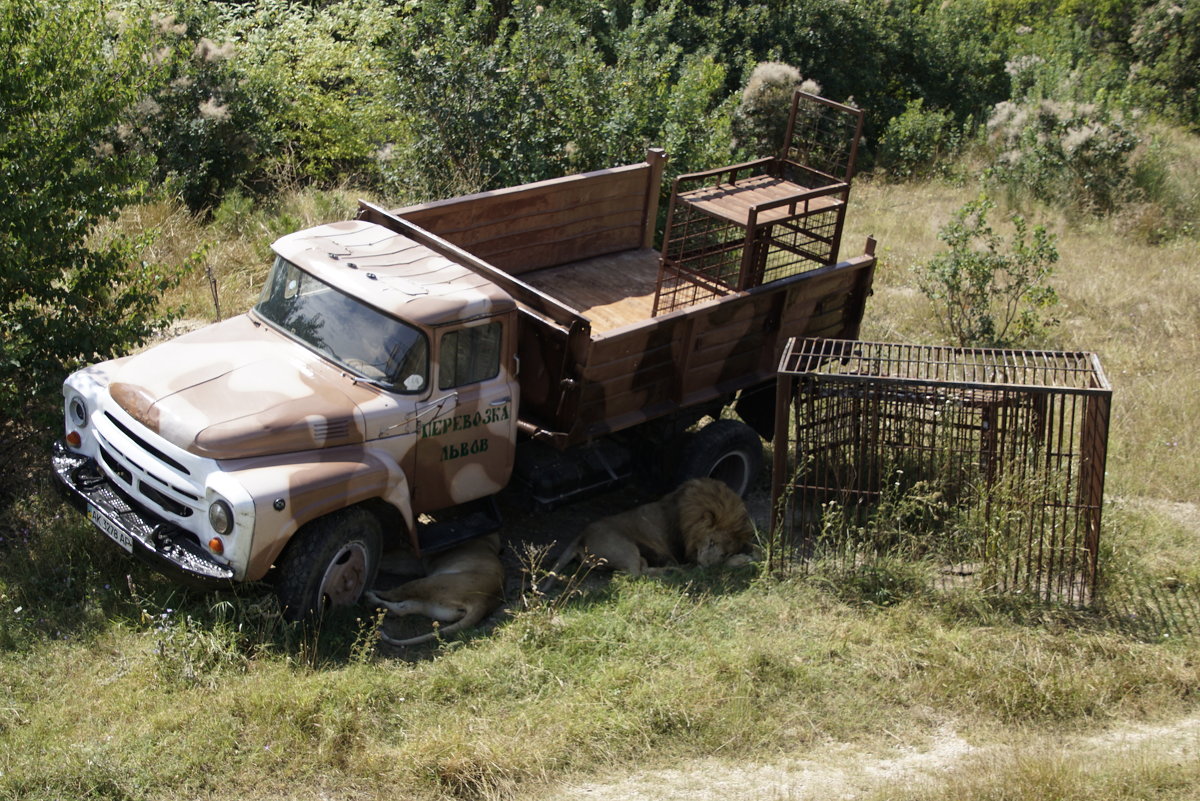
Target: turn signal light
74, 440
216, 546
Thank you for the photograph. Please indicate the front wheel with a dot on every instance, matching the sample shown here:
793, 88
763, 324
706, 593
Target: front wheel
330, 561
725, 450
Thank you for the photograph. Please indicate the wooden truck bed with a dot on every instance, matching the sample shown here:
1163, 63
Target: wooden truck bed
611, 291
576, 254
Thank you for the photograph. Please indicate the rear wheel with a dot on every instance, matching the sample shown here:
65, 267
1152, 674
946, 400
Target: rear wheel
330, 561
726, 450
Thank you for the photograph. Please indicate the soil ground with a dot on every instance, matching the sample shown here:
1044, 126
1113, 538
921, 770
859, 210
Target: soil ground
846, 771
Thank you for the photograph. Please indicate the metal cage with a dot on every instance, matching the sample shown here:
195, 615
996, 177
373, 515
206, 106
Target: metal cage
988, 463
736, 227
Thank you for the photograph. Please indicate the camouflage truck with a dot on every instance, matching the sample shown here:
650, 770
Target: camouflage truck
403, 368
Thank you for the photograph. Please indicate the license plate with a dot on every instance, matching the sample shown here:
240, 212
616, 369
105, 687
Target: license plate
110, 528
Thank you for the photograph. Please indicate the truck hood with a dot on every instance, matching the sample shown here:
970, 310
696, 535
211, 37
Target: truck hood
239, 389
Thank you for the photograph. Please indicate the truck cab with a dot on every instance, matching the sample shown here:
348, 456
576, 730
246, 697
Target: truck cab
371, 371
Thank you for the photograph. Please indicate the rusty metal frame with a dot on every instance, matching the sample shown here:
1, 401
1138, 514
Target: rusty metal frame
794, 220
1012, 443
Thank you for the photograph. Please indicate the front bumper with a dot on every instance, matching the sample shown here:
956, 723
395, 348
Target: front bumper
164, 546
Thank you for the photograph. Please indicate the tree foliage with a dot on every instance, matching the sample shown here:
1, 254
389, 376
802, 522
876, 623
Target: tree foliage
69, 79
536, 95
315, 76
1166, 47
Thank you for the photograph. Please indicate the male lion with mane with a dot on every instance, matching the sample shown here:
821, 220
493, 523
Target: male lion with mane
702, 522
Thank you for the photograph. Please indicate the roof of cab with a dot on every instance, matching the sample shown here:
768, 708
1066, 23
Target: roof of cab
393, 273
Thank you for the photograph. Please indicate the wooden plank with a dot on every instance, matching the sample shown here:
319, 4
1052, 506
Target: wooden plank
656, 157
515, 203
611, 291
619, 224
607, 364
620, 396
734, 202
715, 373
462, 222
546, 223
533, 255
522, 292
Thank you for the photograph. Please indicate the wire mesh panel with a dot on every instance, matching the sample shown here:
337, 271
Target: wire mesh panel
702, 260
823, 136
794, 247
988, 464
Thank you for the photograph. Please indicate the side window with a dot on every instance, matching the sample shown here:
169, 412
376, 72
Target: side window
469, 355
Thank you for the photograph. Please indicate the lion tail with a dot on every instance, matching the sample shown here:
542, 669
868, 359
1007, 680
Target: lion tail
569, 554
474, 615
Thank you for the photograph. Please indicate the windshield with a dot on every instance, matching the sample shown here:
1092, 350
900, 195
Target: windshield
364, 341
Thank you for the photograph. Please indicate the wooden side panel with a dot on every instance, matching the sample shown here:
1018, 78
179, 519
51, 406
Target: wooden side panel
548, 223
642, 371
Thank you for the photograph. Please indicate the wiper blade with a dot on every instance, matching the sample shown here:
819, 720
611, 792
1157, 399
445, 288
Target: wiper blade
375, 382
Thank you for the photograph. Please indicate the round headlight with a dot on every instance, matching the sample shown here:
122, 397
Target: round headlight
220, 517
77, 409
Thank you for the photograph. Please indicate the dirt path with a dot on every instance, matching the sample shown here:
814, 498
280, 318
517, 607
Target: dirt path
843, 771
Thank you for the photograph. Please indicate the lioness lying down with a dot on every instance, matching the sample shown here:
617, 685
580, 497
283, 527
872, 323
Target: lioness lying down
702, 522
462, 586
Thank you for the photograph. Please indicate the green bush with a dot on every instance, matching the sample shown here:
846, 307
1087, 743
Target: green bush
1076, 154
919, 142
314, 75
535, 95
200, 124
759, 122
984, 295
265, 97
1165, 43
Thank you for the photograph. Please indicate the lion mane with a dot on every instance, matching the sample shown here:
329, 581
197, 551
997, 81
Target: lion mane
702, 522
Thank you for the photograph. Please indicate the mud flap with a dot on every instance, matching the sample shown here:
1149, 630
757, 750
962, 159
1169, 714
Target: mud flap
756, 406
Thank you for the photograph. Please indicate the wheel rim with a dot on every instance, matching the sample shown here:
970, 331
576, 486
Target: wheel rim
346, 576
734, 470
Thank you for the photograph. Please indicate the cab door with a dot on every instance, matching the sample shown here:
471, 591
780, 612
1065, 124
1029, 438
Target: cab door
466, 451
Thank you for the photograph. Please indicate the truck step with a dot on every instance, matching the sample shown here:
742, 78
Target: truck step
439, 535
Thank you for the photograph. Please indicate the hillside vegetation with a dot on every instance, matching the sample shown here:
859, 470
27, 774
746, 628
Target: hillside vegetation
151, 152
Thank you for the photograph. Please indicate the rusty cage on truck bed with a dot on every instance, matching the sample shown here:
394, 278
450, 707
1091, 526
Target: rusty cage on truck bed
989, 463
736, 227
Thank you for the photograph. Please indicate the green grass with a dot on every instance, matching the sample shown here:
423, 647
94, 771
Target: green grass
644, 668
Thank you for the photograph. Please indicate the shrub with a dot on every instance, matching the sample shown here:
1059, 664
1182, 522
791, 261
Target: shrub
534, 95
1077, 154
918, 142
984, 295
313, 77
199, 123
1166, 45
760, 119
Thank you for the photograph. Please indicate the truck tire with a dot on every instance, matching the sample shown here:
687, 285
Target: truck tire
330, 561
725, 450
